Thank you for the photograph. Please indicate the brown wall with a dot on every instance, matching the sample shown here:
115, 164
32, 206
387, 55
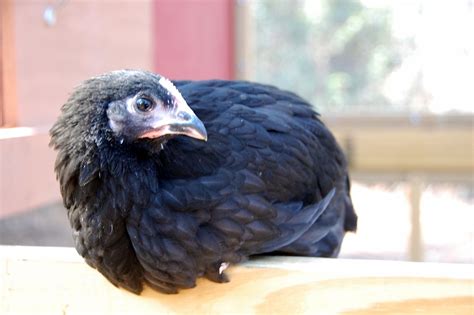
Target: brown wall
178, 38
90, 37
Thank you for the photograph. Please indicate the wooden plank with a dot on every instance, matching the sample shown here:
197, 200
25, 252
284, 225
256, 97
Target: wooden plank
408, 149
244, 41
39, 280
8, 101
351, 120
416, 242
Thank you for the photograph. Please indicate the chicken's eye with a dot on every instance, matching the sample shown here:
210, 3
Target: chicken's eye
144, 104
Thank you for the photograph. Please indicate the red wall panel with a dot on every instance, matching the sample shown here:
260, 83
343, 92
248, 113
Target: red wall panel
193, 39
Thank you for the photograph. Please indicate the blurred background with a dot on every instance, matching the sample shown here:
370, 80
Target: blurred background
392, 79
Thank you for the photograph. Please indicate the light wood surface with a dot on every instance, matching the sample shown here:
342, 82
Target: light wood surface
41, 280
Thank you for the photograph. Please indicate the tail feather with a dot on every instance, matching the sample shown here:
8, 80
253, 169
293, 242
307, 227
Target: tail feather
297, 225
324, 237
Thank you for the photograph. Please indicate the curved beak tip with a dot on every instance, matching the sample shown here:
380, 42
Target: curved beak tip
198, 130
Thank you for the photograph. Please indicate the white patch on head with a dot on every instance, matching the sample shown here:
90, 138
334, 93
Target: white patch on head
125, 72
169, 86
131, 105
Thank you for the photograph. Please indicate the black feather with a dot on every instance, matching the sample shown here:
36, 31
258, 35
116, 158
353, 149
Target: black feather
164, 211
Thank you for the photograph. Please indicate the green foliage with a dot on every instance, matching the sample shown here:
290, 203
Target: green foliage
335, 53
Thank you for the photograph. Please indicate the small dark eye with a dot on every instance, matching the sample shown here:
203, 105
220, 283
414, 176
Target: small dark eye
144, 104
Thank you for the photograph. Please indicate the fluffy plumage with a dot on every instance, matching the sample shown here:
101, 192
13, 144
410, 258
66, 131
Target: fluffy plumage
150, 201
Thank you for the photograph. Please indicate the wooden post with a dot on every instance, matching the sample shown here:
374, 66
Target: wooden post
244, 41
8, 103
415, 193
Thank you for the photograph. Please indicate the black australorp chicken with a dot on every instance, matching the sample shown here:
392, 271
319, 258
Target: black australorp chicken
166, 182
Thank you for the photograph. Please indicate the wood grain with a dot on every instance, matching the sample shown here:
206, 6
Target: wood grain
56, 281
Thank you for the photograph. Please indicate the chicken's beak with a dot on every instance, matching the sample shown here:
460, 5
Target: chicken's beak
177, 120
187, 124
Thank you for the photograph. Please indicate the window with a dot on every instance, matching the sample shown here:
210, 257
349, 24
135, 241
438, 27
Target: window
365, 55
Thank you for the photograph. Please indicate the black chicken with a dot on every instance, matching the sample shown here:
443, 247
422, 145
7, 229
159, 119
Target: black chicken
257, 172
